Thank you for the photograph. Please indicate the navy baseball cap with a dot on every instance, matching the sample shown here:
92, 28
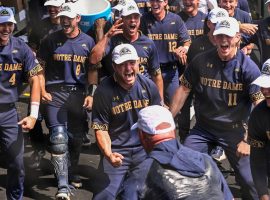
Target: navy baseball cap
264, 79
149, 118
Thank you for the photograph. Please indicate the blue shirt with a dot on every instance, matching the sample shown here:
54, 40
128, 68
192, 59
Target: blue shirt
194, 24
66, 59
17, 63
115, 109
223, 90
167, 34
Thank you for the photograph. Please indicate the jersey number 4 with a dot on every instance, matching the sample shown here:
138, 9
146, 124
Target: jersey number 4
12, 79
232, 99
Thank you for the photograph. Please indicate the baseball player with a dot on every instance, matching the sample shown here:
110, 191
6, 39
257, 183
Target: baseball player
17, 63
220, 79
126, 31
171, 38
66, 53
176, 172
117, 101
47, 25
259, 135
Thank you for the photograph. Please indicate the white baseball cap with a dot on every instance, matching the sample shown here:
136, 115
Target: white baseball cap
267, 2
264, 79
227, 26
56, 3
69, 10
152, 116
124, 52
216, 13
130, 8
6, 15
120, 5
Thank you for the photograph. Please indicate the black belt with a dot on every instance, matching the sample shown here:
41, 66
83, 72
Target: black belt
6, 106
65, 88
168, 66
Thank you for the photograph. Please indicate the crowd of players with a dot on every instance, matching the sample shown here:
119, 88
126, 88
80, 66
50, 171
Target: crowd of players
152, 53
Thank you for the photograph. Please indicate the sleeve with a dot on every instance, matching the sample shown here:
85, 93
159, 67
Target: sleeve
183, 35
258, 153
250, 74
31, 64
154, 60
101, 110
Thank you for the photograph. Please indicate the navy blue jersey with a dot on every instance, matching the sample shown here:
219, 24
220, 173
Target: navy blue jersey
258, 138
146, 50
222, 89
242, 16
195, 24
167, 34
17, 63
199, 45
143, 5
115, 109
37, 33
66, 59
243, 5
175, 6
262, 39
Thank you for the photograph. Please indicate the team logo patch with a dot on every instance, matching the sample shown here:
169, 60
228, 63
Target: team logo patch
66, 8
4, 13
225, 24
124, 51
220, 14
59, 44
15, 51
266, 69
131, 7
237, 69
172, 22
145, 47
83, 45
116, 98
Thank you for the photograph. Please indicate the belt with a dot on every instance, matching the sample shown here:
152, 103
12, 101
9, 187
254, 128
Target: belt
6, 106
65, 88
168, 66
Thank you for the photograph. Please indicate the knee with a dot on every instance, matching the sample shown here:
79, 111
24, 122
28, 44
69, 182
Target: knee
58, 140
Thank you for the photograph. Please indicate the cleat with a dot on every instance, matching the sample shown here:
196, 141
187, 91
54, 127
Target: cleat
75, 181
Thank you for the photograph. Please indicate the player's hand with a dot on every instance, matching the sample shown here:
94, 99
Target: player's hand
181, 54
249, 29
27, 123
46, 97
115, 29
88, 103
243, 149
115, 159
265, 197
100, 23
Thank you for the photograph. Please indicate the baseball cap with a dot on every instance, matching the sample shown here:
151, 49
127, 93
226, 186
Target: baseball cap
227, 26
152, 116
69, 10
121, 4
130, 8
216, 13
124, 52
267, 2
56, 3
264, 79
6, 15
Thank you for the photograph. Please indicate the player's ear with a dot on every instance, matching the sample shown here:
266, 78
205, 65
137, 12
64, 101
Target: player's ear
78, 18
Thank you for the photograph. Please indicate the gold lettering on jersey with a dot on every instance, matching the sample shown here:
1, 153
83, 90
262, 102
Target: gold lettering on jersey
141, 5
12, 67
165, 36
225, 85
1, 66
69, 57
124, 107
196, 32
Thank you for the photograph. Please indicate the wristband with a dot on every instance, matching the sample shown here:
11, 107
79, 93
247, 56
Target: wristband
34, 109
91, 89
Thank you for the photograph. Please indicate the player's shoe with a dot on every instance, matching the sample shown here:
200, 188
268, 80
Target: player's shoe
75, 181
63, 194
